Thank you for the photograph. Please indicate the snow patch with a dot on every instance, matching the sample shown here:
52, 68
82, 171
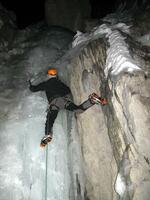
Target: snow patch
120, 186
79, 38
118, 55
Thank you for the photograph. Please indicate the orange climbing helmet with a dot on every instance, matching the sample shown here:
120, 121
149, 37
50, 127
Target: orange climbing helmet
52, 72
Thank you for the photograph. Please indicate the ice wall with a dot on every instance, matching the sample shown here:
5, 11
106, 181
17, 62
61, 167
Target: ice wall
22, 123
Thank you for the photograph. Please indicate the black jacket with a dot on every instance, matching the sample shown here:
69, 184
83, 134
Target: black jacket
53, 88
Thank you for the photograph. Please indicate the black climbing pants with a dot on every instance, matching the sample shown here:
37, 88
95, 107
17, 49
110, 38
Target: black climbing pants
60, 103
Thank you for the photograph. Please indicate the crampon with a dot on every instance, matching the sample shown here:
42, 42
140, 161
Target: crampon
97, 99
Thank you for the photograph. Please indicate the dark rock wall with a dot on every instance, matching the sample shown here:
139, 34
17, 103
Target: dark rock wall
7, 26
66, 13
115, 140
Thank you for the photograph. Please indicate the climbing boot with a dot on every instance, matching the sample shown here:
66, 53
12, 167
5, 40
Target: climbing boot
95, 99
45, 140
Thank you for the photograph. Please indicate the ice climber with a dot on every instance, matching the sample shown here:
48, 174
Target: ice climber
59, 97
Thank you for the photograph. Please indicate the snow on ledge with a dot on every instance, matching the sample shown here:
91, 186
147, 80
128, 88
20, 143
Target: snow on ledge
118, 55
120, 186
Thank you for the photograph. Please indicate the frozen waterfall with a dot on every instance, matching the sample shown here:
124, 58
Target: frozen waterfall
27, 171
98, 155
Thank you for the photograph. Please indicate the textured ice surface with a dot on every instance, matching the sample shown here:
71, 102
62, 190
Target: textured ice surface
22, 121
